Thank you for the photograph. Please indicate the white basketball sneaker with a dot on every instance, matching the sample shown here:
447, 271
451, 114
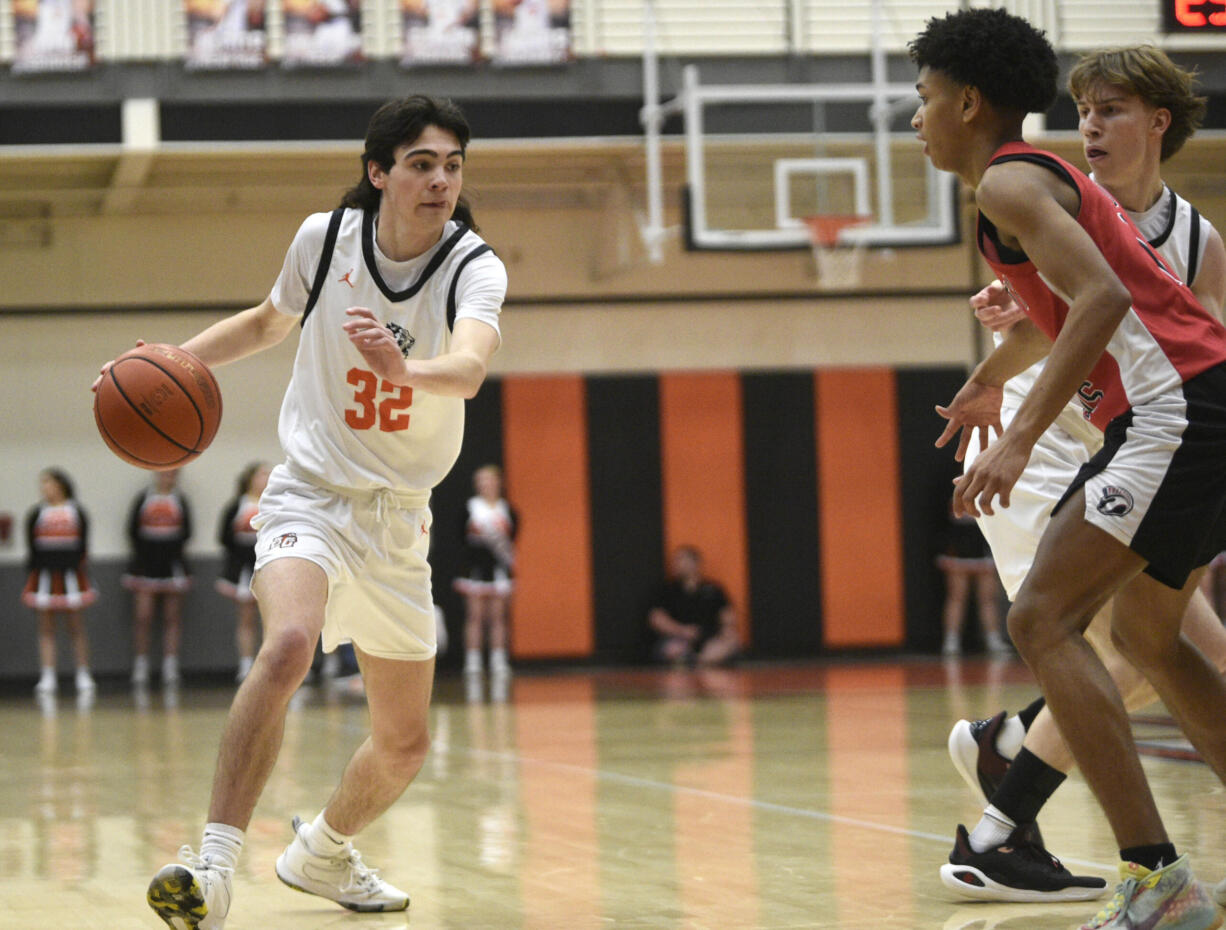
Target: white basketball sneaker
344, 879
192, 894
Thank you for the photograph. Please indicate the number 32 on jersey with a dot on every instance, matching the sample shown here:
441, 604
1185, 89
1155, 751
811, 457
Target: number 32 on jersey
390, 413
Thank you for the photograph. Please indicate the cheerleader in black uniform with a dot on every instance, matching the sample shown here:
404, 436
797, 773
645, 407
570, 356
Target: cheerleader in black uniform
490, 524
237, 537
57, 540
159, 526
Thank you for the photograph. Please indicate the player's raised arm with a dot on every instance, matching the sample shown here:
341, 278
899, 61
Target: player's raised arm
459, 372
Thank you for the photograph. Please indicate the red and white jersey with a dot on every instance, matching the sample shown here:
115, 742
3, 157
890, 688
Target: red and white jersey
1165, 339
58, 527
339, 422
161, 517
241, 530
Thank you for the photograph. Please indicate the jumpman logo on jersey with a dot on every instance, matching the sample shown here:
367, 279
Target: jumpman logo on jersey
424, 530
345, 277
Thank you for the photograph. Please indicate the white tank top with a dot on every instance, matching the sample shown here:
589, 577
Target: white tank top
340, 423
1178, 233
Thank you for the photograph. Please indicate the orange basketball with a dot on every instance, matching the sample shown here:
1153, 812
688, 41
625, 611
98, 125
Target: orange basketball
158, 407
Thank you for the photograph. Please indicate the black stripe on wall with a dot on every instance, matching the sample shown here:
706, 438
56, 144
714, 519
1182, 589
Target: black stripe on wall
781, 513
482, 446
926, 474
623, 424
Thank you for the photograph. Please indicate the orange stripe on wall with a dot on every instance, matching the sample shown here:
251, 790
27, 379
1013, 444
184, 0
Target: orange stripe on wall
703, 485
545, 455
860, 519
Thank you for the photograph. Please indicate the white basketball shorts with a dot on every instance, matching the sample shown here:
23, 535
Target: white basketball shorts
1013, 532
373, 549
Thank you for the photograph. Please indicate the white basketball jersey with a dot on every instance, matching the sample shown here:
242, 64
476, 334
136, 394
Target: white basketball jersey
1178, 233
339, 422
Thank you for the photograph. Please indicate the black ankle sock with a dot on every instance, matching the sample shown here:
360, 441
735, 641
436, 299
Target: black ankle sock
1152, 857
1026, 787
1030, 711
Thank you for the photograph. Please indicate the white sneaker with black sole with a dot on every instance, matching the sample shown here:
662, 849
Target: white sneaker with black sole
344, 878
191, 894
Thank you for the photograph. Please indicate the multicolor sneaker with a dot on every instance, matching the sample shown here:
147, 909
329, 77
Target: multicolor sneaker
192, 894
344, 879
1017, 870
1169, 898
972, 748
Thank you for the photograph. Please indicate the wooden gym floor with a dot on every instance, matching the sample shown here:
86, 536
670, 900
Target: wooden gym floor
782, 798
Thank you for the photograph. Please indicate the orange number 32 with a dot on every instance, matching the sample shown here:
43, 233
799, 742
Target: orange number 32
390, 413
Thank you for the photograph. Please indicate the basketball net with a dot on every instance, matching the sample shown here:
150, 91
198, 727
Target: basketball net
838, 264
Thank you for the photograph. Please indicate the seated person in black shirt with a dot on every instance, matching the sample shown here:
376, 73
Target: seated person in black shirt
691, 616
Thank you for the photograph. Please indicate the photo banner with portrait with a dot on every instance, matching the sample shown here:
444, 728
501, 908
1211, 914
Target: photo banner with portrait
532, 32
53, 35
322, 33
439, 32
223, 34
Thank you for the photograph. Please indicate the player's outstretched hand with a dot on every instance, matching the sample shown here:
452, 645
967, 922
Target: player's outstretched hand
107, 367
975, 405
992, 474
377, 344
996, 309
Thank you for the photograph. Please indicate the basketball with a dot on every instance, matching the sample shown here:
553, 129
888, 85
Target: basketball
158, 407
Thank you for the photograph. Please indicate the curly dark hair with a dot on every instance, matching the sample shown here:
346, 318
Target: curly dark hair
1147, 72
396, 123
1007, 59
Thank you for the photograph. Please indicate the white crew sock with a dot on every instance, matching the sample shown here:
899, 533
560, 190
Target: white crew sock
472, 660
221, 844
991, 831
1010, 737
498, 660
324, 840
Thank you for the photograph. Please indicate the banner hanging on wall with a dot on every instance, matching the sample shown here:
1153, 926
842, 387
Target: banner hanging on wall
226, 34
532, 32
439, 32
322, 33
53, 35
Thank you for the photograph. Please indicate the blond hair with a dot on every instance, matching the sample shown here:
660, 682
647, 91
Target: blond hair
1147, 72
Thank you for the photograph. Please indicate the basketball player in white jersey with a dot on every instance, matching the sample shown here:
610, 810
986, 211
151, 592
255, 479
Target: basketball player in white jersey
398, 301
1137, 108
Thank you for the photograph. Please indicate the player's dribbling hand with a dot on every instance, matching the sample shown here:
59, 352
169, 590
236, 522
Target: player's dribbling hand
975, 405
376, 343
996, 309
107, 367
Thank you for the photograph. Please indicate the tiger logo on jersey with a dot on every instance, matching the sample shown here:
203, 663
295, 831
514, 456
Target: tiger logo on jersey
405, 339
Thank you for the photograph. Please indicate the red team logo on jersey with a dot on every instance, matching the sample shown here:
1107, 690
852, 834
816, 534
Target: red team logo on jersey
284, 541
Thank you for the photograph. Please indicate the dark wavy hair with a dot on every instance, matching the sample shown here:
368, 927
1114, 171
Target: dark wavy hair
244, 476
1007, 59
1147, 72
399, 122
60, 477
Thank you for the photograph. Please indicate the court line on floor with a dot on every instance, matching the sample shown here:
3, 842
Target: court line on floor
754, 803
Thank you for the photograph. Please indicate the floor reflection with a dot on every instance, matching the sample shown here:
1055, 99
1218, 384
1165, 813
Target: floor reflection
784, 797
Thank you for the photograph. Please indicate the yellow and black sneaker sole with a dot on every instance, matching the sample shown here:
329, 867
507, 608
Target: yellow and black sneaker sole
176, 897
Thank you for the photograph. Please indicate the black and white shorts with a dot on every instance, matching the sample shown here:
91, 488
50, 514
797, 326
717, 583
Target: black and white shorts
1158, 484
